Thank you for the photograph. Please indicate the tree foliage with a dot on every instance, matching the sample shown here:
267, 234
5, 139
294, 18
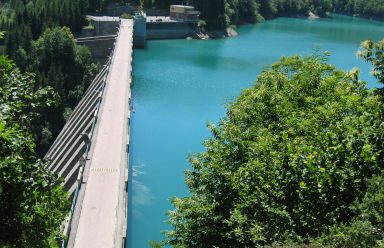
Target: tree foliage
35, 41
33, 204
219, 14
364, 8
374, 53
60, 63
367, 228
288, 162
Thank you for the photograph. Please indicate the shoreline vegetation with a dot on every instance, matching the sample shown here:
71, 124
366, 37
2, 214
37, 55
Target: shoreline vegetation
231, 31
219, 15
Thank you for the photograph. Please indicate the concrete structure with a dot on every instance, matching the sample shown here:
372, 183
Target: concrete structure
169, 29
184, 13
182, 22
100, 46
104, 25
70, 146
91, 153
140, 34
157, 12
101, 38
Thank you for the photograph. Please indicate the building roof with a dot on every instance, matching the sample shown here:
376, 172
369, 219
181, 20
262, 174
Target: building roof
104, 18
183, 6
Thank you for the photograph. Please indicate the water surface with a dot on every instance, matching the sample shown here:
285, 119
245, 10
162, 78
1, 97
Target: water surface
180, 85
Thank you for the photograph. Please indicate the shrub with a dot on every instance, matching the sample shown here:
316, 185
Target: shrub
126, 16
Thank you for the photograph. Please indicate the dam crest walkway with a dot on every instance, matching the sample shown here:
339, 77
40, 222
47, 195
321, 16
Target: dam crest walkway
91, 153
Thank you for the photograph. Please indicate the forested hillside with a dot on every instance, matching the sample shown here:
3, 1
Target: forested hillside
222, 13
38, 90
364, 8
38, 44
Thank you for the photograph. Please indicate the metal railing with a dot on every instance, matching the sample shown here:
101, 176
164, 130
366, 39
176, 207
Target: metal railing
96, 38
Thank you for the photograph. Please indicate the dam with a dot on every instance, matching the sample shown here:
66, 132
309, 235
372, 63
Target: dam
91, 153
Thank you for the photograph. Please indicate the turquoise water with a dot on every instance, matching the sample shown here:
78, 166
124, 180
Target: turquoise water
180, 85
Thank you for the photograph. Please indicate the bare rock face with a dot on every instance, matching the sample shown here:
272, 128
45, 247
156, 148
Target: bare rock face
312, 16
220, 34
232, 32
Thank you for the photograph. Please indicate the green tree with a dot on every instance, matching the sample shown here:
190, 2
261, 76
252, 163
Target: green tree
33, 204
374, 53
221, 13
213, 12
64, 66
287, 163
38, 44
249, 10
268, 8
367, 229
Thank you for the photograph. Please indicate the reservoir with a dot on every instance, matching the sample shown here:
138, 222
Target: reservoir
181, 85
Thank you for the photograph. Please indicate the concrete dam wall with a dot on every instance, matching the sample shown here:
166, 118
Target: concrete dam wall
169, 30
